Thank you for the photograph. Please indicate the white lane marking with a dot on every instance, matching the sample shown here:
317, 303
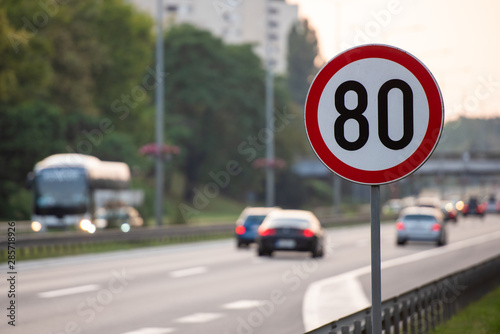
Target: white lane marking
323, 301
200, 317
243, 304
68, 291
151, 330
188, 272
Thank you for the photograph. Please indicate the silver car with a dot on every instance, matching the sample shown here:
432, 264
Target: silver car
421, 224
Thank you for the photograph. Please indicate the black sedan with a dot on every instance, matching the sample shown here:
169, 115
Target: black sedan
290, 230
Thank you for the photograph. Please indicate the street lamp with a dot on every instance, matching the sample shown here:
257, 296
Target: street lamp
159, 114
269, 105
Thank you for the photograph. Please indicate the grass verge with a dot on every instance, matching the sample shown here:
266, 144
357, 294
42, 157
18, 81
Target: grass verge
481, 317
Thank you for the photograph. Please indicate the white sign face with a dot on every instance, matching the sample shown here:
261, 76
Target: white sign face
374, 114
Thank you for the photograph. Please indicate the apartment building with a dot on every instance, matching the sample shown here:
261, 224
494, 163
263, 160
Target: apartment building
263, 23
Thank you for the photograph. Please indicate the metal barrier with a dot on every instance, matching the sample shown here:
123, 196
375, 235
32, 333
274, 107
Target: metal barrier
24, 239
422, 309
65, 242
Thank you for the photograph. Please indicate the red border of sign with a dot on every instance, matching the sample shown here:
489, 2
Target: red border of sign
434, 128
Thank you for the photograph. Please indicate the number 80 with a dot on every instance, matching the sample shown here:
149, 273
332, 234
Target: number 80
383, 115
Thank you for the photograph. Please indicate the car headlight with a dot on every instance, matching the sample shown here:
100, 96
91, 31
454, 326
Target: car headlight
125, 227
36, 226
86, 224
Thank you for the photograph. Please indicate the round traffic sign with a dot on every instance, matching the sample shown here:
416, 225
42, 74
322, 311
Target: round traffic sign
374, 114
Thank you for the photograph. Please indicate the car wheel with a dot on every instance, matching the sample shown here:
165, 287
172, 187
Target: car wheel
441, 241
317, 251
263, 252
317, 254
401, 242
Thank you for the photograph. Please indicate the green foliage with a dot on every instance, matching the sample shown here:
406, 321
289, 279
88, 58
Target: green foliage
480, 317
78, 76
24, 74
74, 77
470, 134
28, 133
215, 94
302, 53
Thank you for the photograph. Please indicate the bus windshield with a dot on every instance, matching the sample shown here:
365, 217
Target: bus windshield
61, 191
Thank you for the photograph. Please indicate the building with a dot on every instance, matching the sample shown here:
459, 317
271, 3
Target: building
236, 22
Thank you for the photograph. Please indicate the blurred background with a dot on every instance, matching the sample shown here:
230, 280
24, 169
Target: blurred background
114, 128
81, 78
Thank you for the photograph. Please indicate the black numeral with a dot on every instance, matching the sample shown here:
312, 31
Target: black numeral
347, 114
383, 115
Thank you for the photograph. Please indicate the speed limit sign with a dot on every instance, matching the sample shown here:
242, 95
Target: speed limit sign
374, 114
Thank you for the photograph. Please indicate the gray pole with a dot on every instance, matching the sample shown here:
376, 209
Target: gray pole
376, 266
159, 113
269, 113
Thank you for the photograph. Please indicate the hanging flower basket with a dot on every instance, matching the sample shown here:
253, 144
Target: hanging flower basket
166, 151
273, 163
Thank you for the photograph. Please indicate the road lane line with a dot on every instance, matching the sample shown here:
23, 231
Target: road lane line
68, 291
338, 296
200, 317
243, 304
188, 272
151, 330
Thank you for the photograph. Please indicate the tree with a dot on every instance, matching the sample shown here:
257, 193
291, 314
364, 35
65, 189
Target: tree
23, 73
302, 54
74, 74
214, 102
28, 133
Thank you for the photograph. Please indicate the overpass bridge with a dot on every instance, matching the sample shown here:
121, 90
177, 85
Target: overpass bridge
439, 164
457, 173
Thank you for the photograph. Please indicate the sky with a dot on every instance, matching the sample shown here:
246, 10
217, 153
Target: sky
458, 40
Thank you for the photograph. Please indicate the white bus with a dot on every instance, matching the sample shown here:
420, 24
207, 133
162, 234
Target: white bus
65, 188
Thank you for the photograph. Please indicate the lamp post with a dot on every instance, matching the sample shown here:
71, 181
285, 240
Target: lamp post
159, 115
269, 108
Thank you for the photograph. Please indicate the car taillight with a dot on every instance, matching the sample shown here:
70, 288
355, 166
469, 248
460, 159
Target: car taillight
400, 226
308, 233
267, 232
240, 230
436, 227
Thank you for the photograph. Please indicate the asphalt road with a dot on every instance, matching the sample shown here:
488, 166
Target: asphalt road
212, 287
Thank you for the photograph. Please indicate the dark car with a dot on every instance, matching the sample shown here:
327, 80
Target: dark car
290, 230
248, 223
474, 207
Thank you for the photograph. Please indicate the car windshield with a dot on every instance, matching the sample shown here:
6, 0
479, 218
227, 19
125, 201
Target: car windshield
289, 222
253, 220
419, 218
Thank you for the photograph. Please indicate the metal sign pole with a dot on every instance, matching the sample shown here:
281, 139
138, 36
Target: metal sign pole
376, 266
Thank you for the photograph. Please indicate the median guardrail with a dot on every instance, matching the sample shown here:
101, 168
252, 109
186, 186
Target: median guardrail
422, 309
62, 242
65, 242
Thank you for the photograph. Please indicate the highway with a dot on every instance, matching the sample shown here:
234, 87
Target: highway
212, 287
